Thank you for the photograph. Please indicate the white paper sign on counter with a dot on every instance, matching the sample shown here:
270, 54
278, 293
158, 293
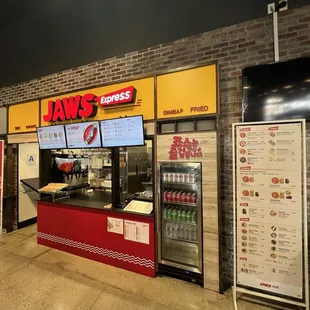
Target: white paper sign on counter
137, 232
115, 225
269, 208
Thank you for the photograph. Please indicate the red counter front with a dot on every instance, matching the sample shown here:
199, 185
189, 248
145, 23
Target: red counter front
83, 232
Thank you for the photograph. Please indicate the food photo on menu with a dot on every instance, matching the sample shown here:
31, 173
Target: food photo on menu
83, 135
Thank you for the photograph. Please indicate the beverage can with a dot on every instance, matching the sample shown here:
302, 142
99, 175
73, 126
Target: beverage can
165, 177
170, 177
191, 178
186, 177
178, 196
173, 177
181, 177
176, 177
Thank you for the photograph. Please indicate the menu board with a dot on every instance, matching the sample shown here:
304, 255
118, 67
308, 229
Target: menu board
127, 131
137, 232
83, 135
52, 137
269, 208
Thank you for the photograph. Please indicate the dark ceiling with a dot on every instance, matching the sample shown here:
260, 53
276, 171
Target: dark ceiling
40, 37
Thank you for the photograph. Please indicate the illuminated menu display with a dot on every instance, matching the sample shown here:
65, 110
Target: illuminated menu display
83, 135
127, 131
52, 137
269, 208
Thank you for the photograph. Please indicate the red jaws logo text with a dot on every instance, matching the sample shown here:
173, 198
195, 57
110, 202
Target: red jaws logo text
125, 95
73, 107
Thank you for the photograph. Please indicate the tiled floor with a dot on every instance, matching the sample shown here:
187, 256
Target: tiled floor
37, 277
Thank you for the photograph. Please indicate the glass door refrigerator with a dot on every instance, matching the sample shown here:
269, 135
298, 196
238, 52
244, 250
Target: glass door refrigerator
179, 217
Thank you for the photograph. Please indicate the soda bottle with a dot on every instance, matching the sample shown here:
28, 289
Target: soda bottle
179, 215
189, 216
194, 233
174, 214
194, 217
183, 216
169, 215
166, 230
181, 231
185, 231
165, 212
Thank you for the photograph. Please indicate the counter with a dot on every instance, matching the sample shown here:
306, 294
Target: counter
81, 226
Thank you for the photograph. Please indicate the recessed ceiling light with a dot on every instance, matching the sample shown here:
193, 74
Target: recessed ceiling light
288, 86
274, 90
274, 100
307, 80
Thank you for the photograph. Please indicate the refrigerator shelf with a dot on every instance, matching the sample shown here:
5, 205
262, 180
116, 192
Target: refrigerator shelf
181, 222
173, 183
185, 204
180, 241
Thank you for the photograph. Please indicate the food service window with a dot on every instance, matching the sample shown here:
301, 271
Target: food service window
136, 166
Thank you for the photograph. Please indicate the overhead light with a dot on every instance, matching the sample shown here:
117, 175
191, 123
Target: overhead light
291, 91
307, 80
265, 93
274, 90
303, 88
274, 100
288, 86
246, 87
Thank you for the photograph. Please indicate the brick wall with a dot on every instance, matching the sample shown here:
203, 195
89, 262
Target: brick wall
232, 47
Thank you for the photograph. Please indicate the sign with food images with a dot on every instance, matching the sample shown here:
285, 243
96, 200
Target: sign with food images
83, 135
269, 208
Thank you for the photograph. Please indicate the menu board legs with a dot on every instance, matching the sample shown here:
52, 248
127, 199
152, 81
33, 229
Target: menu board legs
270, 211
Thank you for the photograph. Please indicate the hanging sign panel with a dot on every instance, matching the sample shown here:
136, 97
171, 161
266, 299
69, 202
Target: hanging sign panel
269, 203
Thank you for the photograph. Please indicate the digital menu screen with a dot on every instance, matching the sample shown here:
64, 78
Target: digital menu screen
127, 131
83, 135
52, 137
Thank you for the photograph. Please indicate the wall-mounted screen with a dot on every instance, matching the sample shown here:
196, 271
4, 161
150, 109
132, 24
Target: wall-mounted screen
83, 135
277, 91
52, 137
126, 131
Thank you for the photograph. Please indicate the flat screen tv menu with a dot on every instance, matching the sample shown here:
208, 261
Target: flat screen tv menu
52, 137
83, 135
127, 131
269, 208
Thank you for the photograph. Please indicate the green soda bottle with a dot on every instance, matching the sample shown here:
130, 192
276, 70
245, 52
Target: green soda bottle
189, 216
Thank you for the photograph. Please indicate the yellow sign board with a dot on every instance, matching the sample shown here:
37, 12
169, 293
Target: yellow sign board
24, 117
187, 93
143, 102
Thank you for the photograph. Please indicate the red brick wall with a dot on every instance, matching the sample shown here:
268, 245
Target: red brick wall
232, 47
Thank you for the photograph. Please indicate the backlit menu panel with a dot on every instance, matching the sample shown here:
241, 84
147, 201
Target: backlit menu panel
269, 208
127, 131
52, 137
83, 135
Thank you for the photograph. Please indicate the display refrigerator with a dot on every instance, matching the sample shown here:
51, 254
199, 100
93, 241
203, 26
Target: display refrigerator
179, 215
